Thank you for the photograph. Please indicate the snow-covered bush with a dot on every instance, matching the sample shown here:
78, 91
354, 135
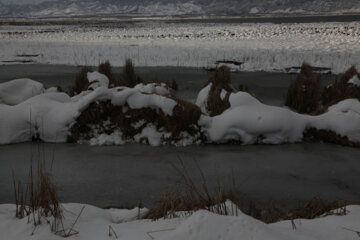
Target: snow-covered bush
140, 117
347, 87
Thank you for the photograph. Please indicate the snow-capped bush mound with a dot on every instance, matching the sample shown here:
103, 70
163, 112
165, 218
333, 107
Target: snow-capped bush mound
343, 119
133, 116
19, 90
213, 99
249, 121
347, 87
96, 80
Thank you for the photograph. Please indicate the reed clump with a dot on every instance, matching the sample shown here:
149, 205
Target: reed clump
190, 198
37, 199
304, 94
220, 90
81, 81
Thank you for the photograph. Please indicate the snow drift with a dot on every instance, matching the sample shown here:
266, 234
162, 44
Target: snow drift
93, 224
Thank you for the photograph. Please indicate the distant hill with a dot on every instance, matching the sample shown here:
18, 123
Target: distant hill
72, 8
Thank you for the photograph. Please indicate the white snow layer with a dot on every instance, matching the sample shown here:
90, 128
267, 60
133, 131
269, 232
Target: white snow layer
355, 80
93, 224
259, 46
50, 115
18, 90
250, 121
96, 80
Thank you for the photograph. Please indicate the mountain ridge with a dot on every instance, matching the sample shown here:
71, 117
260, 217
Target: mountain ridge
78, 8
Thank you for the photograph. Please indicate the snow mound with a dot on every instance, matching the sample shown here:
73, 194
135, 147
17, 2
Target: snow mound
355, 80
19, 90
49, 116
249, 121
96, 80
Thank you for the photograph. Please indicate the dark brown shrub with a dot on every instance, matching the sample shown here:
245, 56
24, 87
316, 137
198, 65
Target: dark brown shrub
184, 119
81, 81
341, 89
129, 77
328, 136
105, 68
304, 94
220, 81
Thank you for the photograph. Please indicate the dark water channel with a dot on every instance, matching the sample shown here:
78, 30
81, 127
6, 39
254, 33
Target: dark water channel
124, 175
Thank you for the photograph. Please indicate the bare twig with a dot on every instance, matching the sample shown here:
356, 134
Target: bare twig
162, 230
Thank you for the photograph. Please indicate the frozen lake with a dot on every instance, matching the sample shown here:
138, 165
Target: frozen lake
124, 175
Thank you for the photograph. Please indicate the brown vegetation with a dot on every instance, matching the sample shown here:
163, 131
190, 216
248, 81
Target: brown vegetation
315, 208
129, 77
328, 136
38, 199
220, 81
304, 93
189, 198
341, 89
184, 119
105, 68
81, 81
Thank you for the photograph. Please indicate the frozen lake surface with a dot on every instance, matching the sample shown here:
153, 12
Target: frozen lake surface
124, 175
257, 46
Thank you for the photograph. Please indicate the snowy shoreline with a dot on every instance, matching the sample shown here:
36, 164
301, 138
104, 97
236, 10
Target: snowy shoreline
95, 223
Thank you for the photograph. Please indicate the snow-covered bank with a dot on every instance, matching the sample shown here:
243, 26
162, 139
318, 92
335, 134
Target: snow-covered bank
95, 224
142, 114
268, 47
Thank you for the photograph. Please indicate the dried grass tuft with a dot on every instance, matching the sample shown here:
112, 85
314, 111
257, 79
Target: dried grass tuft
315, 208
190, 198
38, 199
81, 81
129, 77
304, 94
220, 82
105, 68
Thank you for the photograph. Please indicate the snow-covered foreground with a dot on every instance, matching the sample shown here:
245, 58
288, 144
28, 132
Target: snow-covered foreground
96, 224
264, 46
